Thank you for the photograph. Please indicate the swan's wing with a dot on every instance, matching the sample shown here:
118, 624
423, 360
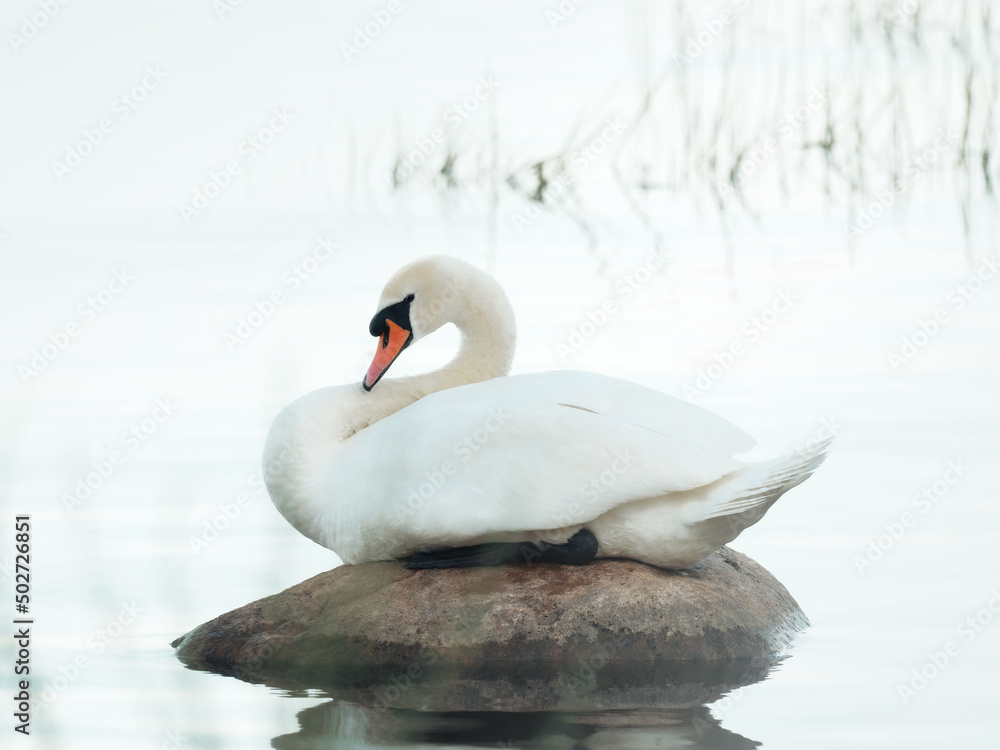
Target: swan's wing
504, 455
616, 399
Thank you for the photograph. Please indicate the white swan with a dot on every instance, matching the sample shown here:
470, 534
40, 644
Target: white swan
383, 469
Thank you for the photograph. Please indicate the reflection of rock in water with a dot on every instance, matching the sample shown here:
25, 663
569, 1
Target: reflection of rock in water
339, 724
556, 633
581, 687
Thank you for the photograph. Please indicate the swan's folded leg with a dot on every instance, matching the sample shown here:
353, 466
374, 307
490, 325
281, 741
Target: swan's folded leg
479, 555
579, 549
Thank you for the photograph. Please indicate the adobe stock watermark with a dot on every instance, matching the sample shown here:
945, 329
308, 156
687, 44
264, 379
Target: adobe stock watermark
224, 7
583, 679
6, 568
592, 490
750, 333
623, 290
937, 661
810, 450
463, 450
86, 312
400, 684
174, 740
928, 328
462, 621
711, 30
597, 485
273, 469
103, 469
228, 513
122, 106
31, 26
560, 14
431, 311
790, 123
366, 33
903, 13
454, 116
265, 307
248, 150
719, 709
922, 502
579, 161
828, 429
867, 216
97, 644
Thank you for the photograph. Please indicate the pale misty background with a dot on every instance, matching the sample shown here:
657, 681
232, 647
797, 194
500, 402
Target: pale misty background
811, 182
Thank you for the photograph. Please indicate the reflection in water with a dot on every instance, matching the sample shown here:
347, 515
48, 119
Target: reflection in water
635, 706
652, 704
339, 724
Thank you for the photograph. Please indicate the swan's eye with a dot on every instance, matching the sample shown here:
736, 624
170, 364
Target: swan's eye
409, 298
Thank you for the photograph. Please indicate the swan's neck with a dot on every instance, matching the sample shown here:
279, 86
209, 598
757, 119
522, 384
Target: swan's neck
488, 340
480, 357
307, 435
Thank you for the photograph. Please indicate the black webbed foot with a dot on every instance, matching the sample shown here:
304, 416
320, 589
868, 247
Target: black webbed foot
579, 549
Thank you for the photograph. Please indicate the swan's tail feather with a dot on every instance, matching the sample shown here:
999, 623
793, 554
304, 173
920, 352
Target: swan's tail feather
764, 483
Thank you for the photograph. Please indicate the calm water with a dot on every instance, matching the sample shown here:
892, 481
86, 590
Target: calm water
134, 566
891, 549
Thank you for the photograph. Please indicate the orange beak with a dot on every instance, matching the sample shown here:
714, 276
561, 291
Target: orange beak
394, 339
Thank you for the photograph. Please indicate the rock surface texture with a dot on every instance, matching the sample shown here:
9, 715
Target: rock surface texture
596, 636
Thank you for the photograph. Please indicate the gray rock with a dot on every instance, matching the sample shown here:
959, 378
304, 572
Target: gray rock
611, 634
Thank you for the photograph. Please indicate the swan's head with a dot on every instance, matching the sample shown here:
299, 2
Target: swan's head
423, 296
